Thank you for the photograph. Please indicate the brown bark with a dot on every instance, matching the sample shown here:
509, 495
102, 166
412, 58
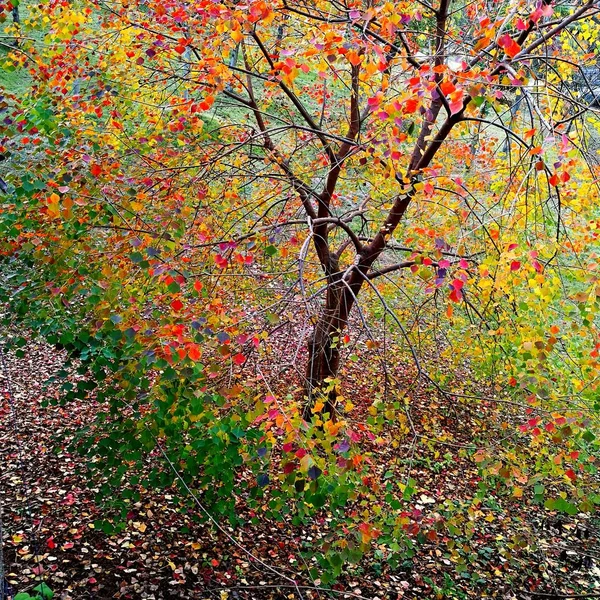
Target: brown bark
323, 348
323, 363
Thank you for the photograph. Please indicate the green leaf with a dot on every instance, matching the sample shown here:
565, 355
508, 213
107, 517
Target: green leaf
561, 505
425, 274
588, 436
336, 560
318, 500
44, 591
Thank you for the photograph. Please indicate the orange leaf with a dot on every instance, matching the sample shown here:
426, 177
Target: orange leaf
447, 87
410, 106
194, 352
354, 58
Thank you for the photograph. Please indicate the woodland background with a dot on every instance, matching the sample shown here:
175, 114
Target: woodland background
299, 300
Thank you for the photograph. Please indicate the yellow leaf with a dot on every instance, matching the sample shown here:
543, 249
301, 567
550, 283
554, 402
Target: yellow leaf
53, 205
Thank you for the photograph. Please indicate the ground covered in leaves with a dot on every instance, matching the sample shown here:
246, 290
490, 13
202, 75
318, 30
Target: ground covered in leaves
49, 516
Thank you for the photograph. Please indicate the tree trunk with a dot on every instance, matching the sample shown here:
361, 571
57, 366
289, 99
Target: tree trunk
323, 364
324, 351
16, 20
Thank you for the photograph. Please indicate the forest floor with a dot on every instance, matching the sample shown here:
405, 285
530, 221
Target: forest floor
48, 515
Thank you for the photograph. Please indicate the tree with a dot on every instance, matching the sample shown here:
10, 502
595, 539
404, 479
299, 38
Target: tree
329, 95
183, 175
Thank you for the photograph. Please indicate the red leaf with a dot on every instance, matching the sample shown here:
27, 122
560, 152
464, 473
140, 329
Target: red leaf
521, 26
95, 170
510, 46
50, 543
220, 261
571, 474
432, 535
455, 295
289, 467
177, 305
515, 265
239, 359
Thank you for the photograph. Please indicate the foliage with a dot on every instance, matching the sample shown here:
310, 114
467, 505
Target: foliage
187, 180
43, 592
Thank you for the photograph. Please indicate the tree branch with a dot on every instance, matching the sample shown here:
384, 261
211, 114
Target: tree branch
296, 102
391, 268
